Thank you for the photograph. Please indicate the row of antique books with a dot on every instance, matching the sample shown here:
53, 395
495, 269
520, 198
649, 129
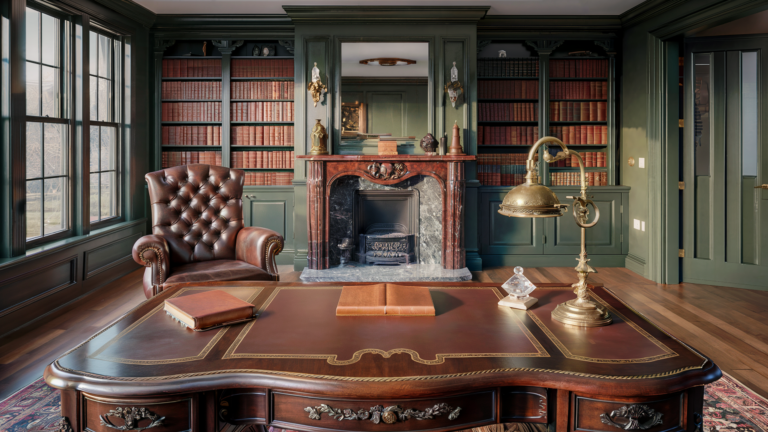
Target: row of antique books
501, 169
508, 67
578, 68
261, 111
191, 90
176, 158
191, 135
572, 178
262, 135
507, 135
268, 178
252, 68
191, 111
498, 111
578, 90
591, 159
580, 135
578, 111
192, 68
262, 90
500, 89
262, 159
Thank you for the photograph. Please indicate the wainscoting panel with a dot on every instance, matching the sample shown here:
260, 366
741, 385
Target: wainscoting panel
26, 288
105, 257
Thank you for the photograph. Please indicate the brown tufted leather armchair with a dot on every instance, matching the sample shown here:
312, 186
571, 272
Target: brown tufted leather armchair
198, 233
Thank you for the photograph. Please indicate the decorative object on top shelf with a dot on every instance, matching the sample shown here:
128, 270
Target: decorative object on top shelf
266, 50
319, 140
388, 61
131, 417
454, 88
633, 417
502, 54
316, 87
428, 144
532, 199
456, 149
582, 54
205, 48
288, 44
518, 288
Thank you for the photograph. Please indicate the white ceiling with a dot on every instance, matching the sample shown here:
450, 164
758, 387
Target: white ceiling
498, 7
352, 53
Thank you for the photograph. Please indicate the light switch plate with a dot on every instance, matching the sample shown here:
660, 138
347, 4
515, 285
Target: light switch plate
637, 224
642, 225
641, 163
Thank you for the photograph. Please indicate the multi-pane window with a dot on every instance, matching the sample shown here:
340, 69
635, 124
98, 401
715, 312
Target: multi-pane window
105, 81
48, 148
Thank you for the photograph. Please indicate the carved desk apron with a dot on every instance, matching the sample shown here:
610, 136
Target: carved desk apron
298, 366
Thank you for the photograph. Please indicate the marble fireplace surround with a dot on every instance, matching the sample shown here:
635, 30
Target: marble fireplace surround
324, 171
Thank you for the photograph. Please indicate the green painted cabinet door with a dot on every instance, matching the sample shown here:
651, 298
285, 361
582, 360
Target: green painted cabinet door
725, 212
272, 209
502, 235
563, 236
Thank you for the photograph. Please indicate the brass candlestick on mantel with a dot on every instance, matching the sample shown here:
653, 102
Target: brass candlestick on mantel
319, 140
532, 199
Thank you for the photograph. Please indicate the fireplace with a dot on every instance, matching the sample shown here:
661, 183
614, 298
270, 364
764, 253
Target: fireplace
386, 226
327, 216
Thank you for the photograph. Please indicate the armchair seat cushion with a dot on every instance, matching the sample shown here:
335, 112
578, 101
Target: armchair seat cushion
216, 270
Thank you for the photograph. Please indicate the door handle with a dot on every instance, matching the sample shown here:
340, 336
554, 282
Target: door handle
762, 186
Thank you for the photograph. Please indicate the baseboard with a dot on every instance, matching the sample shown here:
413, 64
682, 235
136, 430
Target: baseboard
636, 264
729, 284
285, 257
550, 260
299, 260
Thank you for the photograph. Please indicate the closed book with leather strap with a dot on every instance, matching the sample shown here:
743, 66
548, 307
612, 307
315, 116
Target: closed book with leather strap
209, 309
409, 301
362, 300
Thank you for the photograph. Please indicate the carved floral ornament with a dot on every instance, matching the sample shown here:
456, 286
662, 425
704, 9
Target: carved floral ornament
633, 417
386, 171
131, 417
379, 413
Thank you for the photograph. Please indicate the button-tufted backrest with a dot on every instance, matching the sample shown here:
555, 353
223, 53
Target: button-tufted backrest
198, 209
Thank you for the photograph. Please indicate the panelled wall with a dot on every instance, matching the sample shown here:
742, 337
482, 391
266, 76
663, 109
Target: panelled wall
37, 280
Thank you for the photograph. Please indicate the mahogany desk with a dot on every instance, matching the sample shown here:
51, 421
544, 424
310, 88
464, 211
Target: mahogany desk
473, 364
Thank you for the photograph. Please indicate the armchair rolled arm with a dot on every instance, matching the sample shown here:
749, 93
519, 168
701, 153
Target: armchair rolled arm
259, 246
152, 251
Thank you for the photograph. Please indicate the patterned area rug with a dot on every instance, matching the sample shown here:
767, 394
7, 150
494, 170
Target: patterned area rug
728, 406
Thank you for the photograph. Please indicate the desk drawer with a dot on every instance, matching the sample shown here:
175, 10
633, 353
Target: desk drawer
176, 414
651, 415
524, 405
476, 409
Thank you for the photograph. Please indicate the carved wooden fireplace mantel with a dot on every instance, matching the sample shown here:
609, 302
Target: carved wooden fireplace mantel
322, 171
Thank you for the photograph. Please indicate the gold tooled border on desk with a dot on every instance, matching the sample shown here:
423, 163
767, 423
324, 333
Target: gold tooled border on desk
669, 353
208, 347
380, 379
357, 356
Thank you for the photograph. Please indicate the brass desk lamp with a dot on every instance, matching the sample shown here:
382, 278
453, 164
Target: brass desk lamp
534, 200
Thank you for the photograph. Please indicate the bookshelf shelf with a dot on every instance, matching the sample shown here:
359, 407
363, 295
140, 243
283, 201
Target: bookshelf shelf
263, 58
191, 57
261, 122
507, 100
191, 78
577, 168
267, 169
261, 78
508, 78
261, 100
262, 147
578, 79
578, 100
578, 122
504, 122
190, 147
173, 123
190, 100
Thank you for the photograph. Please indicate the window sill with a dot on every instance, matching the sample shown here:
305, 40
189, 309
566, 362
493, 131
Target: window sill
59, 245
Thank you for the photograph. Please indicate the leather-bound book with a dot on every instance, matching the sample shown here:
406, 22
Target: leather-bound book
409, 301
208, 310
362, 300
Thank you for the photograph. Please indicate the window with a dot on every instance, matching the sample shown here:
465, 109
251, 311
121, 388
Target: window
48, 150
105, 84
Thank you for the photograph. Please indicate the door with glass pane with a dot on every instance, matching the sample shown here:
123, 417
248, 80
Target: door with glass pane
725, 207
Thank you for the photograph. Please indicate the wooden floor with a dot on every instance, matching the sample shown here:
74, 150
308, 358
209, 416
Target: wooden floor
729, 325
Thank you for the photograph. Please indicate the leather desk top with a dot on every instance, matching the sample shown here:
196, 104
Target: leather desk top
297, 341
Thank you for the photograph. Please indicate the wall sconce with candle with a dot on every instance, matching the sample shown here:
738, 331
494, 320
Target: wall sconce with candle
316, 87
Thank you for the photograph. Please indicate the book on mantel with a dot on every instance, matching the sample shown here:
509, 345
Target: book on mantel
385, 299
209, 310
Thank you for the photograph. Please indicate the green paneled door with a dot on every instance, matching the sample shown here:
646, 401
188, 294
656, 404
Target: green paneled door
725, 211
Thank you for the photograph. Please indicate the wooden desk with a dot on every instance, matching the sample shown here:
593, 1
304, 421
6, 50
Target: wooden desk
496, 364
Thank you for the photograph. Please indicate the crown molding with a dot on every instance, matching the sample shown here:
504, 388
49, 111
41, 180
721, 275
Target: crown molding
130, 9
386, 14
549, 23
647, 10
224, 26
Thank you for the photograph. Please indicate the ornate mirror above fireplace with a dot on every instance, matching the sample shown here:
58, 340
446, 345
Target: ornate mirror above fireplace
384, 95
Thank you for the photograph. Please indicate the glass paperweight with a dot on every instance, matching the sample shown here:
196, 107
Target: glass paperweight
518, 288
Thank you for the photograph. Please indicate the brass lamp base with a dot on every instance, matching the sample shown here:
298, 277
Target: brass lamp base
581, 313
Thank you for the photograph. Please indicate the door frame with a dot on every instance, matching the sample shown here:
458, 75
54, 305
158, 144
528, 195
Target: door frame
664, 265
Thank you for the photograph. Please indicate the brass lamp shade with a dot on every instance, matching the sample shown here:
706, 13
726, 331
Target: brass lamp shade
531, 200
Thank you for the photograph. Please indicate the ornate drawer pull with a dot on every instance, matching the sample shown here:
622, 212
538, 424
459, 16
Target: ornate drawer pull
632, 417
131, 417
378, 413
